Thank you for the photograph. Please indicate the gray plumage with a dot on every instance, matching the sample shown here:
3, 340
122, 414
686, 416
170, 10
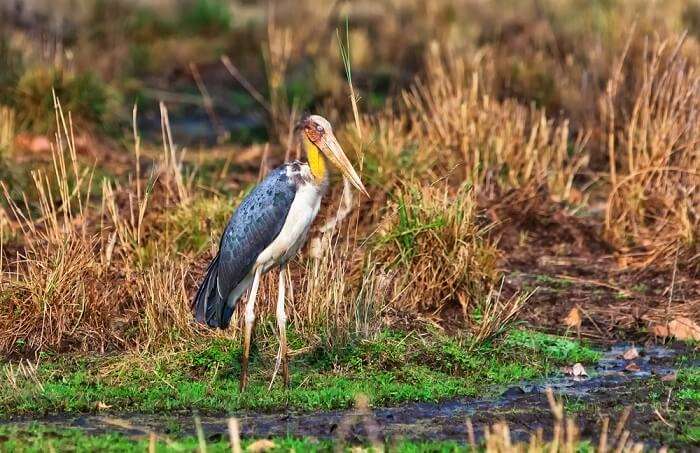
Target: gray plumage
255, 225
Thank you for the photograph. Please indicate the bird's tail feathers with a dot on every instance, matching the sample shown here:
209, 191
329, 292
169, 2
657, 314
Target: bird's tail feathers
209, 303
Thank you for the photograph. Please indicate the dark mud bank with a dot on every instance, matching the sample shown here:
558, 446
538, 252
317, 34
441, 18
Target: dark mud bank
612, 384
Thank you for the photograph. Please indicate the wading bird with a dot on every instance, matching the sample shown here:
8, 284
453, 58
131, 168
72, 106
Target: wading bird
267, 230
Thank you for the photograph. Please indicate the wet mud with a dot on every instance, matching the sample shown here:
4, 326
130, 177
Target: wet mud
610, 386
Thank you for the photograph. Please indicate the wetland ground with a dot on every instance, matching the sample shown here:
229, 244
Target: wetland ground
534, 173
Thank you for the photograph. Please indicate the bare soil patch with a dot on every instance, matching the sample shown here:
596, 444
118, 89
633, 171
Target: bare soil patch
565, 259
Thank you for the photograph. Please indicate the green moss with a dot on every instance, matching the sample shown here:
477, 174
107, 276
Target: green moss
40, 438
552, 282
207, 17
551, 347
396, 367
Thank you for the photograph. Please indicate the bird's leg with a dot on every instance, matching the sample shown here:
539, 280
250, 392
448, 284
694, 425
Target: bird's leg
285, 353
248, 327
282, 328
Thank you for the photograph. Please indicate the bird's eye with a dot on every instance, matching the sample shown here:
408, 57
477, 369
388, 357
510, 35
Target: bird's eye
319, 129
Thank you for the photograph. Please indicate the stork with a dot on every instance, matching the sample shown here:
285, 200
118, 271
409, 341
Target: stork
266, 230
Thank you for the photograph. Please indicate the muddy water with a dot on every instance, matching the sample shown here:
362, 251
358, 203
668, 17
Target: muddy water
523, 406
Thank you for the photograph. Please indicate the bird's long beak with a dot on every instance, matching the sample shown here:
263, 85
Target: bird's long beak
337, 156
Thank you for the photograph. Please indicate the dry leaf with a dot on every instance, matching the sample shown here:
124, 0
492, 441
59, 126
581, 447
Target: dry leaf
576, 371
669, 377
102, 406
579, 370
631, 354
38, 144
659, 330
684, 329
633, 367
573, 319
261, 445
681, 328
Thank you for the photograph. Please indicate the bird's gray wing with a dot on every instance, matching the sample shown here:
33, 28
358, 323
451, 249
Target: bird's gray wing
255, 224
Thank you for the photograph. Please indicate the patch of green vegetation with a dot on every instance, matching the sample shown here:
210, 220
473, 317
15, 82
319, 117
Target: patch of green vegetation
574, 405
640, 288
411, 224
553, 282
679, 404
39, 438
84, 95
190, 226
689, 385
555, 348
396, 367
207, 17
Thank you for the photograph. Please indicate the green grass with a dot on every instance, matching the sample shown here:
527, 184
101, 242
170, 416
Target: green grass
554, 348
688, 405
689, 383
207, 17
553, 282
394, 368
40, 438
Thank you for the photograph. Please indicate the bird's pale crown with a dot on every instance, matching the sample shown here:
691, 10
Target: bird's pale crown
318, 135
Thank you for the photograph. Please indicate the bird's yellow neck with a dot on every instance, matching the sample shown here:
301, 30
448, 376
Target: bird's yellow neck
317, 161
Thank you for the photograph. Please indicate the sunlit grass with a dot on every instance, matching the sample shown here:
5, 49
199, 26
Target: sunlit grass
396, 367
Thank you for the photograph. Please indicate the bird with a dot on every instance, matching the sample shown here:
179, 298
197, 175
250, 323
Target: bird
265, 231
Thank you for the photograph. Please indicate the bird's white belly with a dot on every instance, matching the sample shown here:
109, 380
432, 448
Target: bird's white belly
299, 219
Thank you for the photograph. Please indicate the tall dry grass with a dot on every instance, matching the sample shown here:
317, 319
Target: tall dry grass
78, 280
54, 289
7, 128
437, 260
653, 208
432, 238
101, 267
113, 273
449, 127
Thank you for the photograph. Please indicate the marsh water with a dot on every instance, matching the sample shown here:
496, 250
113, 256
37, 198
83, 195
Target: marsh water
612, 383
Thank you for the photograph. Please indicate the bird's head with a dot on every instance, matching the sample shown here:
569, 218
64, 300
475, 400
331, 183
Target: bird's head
318, 131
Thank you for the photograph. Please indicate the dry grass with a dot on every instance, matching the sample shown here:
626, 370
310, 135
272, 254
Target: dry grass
117, 274
7, 128
438, 251
110, 264
654, 202
436, 256
450, 127
79, 282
